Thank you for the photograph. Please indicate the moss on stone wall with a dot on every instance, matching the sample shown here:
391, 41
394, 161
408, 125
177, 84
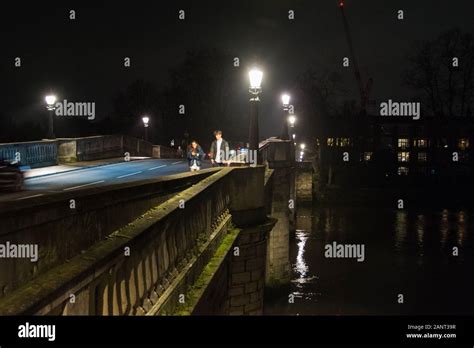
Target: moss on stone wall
196, 291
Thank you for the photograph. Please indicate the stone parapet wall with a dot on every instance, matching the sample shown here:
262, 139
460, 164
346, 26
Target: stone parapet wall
62, 233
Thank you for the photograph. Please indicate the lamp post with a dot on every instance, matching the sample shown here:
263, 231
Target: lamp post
285, 99
255, 77
302, 147
146, 120
292, 120
50, 106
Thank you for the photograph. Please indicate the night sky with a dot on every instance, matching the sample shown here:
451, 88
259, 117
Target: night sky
82, 59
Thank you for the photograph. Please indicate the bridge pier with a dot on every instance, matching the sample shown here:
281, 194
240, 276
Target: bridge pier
247, 277
279, 156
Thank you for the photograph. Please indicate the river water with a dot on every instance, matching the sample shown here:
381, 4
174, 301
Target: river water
407, 253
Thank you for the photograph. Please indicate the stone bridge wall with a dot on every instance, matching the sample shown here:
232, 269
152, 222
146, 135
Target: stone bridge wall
144, 267
208, 256
62, 233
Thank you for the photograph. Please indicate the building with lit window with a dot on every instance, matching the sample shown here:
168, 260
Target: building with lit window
398, 149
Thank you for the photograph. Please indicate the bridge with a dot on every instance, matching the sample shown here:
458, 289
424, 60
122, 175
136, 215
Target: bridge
164, 241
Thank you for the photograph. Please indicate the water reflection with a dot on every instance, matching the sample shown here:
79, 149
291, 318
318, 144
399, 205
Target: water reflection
400, 229
444, 226
301, 268
461, 227
407, 252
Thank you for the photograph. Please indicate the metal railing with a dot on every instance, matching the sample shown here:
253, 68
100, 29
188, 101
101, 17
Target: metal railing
45, 153
34, 154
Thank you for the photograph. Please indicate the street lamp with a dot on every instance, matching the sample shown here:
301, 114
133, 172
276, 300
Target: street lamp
285, 99
255, 77
50, 106
146, 120
292, 120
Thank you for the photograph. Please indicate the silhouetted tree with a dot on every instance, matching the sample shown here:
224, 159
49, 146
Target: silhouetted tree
442, 71
319, 95
138, 99
208, 86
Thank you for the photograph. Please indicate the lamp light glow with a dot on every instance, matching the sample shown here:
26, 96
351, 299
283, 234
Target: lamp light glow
292, 120
255, 77
50, 99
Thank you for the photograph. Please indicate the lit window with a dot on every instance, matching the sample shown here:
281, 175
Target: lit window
342, 142
423, 143
402, 171
403, 156
403, 143
330, 141
345, 142
463, 144
422, 157
367, 156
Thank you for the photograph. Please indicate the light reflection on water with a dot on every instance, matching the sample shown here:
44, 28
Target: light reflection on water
409, 252
301, 268
400, 229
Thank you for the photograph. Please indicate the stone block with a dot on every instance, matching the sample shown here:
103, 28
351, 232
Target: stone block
239, 300
253, 307
241, 278
236, 290
251, 287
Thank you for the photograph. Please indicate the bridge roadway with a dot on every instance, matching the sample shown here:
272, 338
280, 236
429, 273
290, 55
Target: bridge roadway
98, 176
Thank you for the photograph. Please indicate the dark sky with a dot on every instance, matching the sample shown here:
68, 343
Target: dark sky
83, 59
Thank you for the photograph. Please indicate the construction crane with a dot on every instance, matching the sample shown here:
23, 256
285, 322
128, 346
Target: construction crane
364, 90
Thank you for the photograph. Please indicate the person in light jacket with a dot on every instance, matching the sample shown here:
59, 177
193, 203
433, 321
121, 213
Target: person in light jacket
195, 156
219, 152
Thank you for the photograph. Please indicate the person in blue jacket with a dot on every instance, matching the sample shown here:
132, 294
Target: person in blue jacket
195, 156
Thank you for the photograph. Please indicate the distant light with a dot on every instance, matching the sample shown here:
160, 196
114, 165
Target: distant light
292, 120
294, 136
50, 99
255, 76
341, 3
285, 99
145, 120
301, 153
302, 146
